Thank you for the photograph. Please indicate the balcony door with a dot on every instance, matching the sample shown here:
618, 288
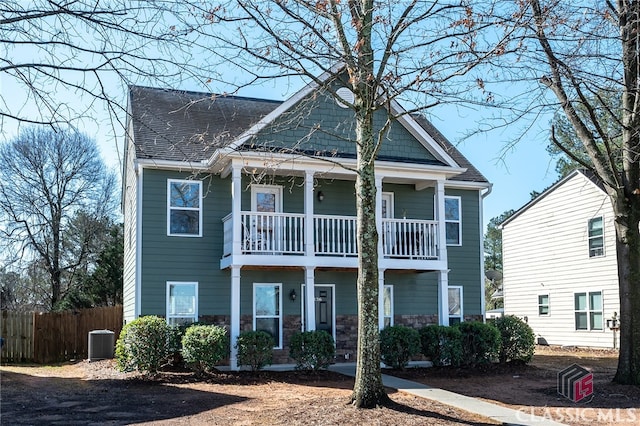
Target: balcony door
266, 226
388, 231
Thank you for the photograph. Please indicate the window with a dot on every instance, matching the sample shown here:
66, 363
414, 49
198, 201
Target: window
455, 305
182, 303
543, 304
453, 222
596, 237
588, 310
387, 297
267, 315
184, 202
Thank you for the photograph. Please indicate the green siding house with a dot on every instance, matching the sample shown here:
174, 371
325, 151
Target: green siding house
241, 212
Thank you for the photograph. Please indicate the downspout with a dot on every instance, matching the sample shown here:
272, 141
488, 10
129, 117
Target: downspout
482, 279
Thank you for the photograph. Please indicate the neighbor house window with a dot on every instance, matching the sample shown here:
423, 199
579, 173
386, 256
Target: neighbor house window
453, 221
455, 305
184, 205
596, 237
543, 304
182, 303
267, 315
388, 305
588, 310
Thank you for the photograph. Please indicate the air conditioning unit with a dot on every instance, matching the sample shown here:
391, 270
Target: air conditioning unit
101, 344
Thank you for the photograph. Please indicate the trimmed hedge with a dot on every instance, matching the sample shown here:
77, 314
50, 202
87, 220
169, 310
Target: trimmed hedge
480, 342
203, 346
255, 349
517, 341
312, 350
441, 344
398, 344
143, 345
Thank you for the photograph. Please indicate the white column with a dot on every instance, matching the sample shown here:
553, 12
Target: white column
381, 298
443, 276
310, 299
440, 217
379, 214
235, 314
308, 214
236, 208
443, 298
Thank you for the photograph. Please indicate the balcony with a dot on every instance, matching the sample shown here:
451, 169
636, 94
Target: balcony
278, 235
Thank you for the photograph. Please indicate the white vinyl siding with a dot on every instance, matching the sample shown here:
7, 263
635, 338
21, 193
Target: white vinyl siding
545, 252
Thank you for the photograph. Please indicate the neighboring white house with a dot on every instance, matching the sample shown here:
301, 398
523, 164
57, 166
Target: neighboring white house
560, 265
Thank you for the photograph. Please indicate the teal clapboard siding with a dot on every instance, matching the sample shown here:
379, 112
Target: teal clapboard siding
464, 260
298, 129
166, 258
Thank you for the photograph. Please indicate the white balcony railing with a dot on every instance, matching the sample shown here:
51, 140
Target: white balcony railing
283, 233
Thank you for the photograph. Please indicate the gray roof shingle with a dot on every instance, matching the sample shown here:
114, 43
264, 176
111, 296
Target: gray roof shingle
188, 126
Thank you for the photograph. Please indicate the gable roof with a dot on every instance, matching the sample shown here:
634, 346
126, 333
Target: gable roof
187, 126
590, 176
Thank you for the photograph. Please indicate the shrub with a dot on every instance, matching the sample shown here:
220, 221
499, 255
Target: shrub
517, 341
398, 344
312, 350
441, 344
203, 346
480, 342
255, 349
143, 345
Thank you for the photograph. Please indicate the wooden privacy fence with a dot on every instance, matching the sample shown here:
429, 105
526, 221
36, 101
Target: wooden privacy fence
46, 337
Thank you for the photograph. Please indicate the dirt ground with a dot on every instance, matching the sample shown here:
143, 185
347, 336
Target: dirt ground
95, 393
533, 388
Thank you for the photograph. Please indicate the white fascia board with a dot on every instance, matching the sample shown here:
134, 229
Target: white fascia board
421, 134
182, 166
300, 164
462, 184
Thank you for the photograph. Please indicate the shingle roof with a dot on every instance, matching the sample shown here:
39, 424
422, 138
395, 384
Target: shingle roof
189, 126
472, 174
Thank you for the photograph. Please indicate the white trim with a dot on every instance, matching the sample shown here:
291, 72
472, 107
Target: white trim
390, 287
137, 309
167, 301
267, 189
461, 289
333, 306
280, 315
459, 221
199, 209
181, 166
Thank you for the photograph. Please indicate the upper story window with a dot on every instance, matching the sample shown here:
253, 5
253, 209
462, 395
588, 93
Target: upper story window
543, 304
453, 220
596, 237
588, 310
184, 205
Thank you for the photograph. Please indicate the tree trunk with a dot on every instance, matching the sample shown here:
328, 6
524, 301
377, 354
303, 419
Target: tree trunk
368, 391
627, 212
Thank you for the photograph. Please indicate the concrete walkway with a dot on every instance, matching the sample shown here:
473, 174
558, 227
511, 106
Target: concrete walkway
502, 414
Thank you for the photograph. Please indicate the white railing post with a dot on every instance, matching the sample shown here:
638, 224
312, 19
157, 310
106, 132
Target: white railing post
440, 217
309, 248
236, 208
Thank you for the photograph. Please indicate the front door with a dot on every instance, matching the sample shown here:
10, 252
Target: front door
265, 232
324, 309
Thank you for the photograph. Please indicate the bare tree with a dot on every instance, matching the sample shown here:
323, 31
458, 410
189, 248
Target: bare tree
583, 59
383, 51
47, 180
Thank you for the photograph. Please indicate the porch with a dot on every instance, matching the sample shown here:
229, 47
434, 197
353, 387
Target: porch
282, 239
